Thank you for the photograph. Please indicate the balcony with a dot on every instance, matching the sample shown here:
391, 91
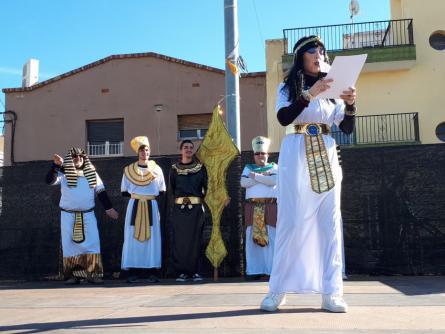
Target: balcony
386, 129
389, 44
105, 149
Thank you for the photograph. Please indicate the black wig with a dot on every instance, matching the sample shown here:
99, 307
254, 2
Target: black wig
294, 81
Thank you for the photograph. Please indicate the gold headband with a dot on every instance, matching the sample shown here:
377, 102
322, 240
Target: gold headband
310, 40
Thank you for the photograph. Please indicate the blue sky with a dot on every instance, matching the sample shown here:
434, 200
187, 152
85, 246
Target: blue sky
65, 35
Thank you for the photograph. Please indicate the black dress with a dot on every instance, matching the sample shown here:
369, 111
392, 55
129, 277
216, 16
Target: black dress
187, 221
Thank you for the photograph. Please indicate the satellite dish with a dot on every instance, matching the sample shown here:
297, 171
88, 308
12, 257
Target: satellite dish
354, 8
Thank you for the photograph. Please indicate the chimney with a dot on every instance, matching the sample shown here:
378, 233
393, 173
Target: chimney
30, 73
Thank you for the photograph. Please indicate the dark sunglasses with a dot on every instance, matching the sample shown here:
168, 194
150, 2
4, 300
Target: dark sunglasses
260, 153
313, 50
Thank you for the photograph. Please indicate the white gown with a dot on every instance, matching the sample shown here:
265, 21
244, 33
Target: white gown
259, 259
308, 254
79, 198
147, 254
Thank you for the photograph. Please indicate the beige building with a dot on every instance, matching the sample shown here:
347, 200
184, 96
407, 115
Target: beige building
400, 91
102, 105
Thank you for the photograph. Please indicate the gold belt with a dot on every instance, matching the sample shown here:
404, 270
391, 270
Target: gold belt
262, 200
143, 197
142, 229
188, 200
311, 129
317, 158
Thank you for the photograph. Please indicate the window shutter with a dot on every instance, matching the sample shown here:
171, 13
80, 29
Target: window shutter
105, 130
195, 121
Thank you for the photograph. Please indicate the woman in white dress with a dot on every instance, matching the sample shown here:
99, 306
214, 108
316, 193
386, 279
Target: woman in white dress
142, 181
308, 256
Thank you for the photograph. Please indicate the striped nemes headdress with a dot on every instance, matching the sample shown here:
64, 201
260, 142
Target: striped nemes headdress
70, 170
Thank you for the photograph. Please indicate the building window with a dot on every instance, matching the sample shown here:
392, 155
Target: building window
440, 131
193, 126
105, 137
437, 40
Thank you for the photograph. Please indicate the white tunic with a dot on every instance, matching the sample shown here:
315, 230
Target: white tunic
78, 198
147, 254
259, 259
264, 186
307, 255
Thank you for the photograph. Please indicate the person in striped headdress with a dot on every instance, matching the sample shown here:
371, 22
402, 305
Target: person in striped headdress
79, 183
142, 181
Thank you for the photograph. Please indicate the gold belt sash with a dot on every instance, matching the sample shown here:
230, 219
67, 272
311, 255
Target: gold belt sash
142, 231
316, 155
262, 200
78, 228
259, 229
188, 201
78, 235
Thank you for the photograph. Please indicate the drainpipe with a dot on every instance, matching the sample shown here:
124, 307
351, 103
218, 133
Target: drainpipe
12, 118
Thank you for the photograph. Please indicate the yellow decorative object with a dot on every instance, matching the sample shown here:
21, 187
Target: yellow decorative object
216, 152
318, 164
142, 228
138, 176
232, 67
259, 229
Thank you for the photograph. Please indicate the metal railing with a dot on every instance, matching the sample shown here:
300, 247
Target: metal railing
381, 129
338, 37
106, 149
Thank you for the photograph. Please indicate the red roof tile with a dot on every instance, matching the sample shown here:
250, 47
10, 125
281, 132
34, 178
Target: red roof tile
125, 56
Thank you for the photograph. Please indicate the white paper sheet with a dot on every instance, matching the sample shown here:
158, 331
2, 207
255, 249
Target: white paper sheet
345, 71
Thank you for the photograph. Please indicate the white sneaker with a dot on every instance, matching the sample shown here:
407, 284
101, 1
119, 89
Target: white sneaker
272, 301
334, 303
182, 278
197, 278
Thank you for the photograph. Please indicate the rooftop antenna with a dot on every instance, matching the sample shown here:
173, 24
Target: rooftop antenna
354, 8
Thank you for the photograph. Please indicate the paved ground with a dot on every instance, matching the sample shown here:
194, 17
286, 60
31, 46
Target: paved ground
377, 305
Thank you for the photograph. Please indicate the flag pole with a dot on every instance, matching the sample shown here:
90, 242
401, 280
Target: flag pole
232, 79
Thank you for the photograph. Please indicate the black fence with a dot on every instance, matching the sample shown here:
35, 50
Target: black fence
381, 129
355, 35
392, 209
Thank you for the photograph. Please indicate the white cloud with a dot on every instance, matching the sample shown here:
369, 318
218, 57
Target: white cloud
10, 70
14, 71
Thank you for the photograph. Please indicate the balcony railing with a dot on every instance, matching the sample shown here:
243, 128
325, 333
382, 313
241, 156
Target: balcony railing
106, 149
381, 129
339, 37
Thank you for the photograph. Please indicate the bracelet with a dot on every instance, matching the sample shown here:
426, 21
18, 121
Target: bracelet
306, 95
303, 101
350, 109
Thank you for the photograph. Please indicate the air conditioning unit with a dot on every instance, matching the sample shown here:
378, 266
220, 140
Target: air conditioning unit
30, 73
